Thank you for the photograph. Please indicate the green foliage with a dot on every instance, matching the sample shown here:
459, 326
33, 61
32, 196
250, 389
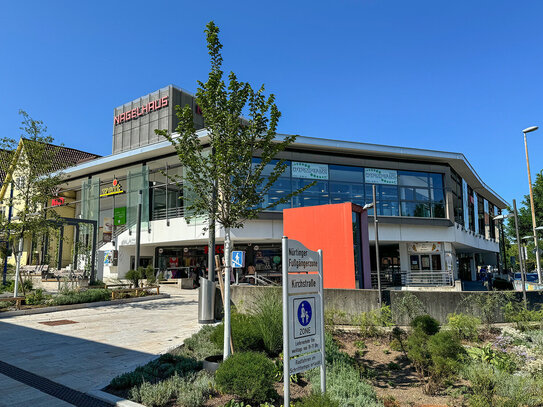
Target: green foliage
188, 391
333, 317
409, 307
501, 360
372, 322
524, 319
464, 326
157, 370
436, 358
134, 276
246, 334
426, 323
27, 285
248, 375
199, 345
150, 274
268, 317
487, 305
79, 297
491, 387
317, 399
36, 297
229, 174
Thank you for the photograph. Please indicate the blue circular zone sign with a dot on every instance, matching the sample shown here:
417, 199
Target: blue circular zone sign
304, 313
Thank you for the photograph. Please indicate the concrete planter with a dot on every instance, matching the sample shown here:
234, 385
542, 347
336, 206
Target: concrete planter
212, 363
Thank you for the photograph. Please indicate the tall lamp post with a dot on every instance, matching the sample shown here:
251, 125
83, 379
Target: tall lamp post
538, 264
521, 264
377, 260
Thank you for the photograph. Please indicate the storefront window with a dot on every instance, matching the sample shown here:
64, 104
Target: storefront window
315, 195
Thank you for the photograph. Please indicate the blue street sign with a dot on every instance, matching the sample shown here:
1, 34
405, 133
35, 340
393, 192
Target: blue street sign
304, 313
238, 259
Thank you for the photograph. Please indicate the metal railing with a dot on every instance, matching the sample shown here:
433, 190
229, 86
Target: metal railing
259, 280
159, 214
397, 278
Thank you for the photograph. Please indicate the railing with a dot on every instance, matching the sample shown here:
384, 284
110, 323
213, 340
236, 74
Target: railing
159, 214
396, 278
118, 230
259, 280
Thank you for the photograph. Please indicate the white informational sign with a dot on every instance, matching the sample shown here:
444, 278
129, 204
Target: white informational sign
425, 247
303, 312
303, 283
300, 258
382, 177
309, 170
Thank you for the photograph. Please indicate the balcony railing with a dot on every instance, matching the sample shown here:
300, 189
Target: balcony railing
159, 214
397, 278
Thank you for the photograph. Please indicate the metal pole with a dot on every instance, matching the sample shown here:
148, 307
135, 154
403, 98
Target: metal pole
534, 225
286, 351
321, 289
211, 249
377, 260
93, 254
520, 254
59, 254
76, 244
138, 232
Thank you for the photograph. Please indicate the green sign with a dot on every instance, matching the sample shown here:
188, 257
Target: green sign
119, 216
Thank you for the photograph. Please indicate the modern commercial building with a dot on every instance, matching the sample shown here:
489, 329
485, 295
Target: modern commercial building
435, 213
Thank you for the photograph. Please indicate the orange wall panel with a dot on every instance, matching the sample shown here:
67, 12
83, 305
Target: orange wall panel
330, 228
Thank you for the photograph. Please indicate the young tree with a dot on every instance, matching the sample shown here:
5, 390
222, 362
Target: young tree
30, 166
224, 181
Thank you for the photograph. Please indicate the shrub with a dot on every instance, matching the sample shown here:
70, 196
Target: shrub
372, 321
426, 323
464, 326
246, 333
409, 307
199, 345
248, 375
487, 305
436, 358
149, 273
159, 369
189, 391
268, 315
500, 360
333, 317
134, 276
523, 318
79, 297
36, 297
317, 399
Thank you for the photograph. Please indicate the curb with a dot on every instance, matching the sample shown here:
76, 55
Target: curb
46, 310
114, 400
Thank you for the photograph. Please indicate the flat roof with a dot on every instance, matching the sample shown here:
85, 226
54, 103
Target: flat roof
457, 161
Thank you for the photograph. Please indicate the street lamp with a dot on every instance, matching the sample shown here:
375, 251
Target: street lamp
521, 265
376, 227
525, 131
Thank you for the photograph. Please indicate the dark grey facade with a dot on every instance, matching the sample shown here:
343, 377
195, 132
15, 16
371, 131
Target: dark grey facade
135, 122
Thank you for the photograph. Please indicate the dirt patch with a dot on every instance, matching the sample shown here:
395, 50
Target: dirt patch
389, 371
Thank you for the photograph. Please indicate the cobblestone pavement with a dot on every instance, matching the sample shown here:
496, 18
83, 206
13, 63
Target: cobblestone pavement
102, 343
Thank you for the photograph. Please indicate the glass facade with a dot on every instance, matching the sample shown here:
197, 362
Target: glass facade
398, 193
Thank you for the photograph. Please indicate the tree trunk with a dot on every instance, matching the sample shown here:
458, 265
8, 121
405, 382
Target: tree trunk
228, 264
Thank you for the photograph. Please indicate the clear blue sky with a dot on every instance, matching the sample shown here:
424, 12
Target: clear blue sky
463, 76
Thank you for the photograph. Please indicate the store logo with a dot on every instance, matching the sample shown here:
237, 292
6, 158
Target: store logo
114, 189
57, 201
140, 111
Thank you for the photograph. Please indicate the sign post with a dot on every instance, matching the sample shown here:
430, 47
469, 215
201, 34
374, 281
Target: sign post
303, 312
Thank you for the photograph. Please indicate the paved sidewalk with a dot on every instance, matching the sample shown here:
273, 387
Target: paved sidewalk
104, 342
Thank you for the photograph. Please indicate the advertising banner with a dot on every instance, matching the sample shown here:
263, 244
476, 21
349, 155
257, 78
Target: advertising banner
309, 170
382, 177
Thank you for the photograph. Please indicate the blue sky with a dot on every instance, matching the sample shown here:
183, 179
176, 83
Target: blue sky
463, 76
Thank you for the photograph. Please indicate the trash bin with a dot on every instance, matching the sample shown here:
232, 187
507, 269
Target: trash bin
206, 301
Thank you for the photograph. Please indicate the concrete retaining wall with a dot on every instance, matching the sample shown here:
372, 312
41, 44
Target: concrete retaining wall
438, 304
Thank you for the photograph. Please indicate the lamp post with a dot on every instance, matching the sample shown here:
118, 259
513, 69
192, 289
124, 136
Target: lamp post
521, 264
538, 265
376, 226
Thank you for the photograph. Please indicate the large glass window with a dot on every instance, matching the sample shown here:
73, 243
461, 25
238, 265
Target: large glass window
421, 194
315, 195
457, 198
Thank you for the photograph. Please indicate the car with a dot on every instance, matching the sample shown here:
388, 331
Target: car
530, 277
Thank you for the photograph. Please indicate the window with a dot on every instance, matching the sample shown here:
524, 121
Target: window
421, 194
457, 198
